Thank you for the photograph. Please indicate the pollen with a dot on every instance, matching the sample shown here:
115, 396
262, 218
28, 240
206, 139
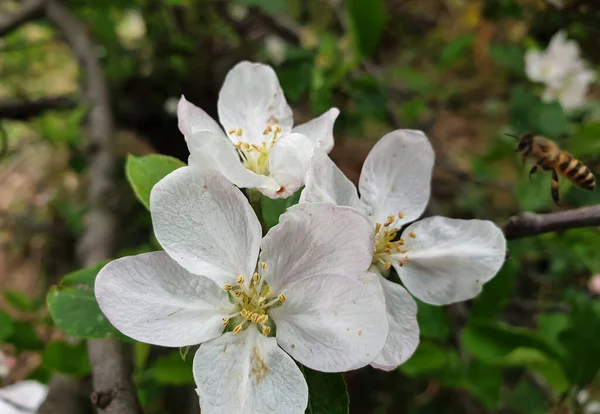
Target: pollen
263, 265
401, 214
412, 234
238, 132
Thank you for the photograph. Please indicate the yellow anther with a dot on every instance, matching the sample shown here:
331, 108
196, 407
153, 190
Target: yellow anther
237, 293
412, 234
238, 132
387, 265
263, 265
401, 214
238, 145
238, 329
401, 262
269, 292
266, 330
231, 131
401, 242
225, 321
244, 313
261, 299
377, 228
263, 319
281, 297
227, 287
240, 279
267, 130
245, 146
256, 277
389, 221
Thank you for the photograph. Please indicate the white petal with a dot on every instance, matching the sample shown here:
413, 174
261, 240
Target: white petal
315, 239
213, 152
449, 259
27, 394
205, 224
534, 62
192, 119
288, 162
152, 299
331, 323
251, 99
403, 334
325, 182
248, 373
320, 130
396, 176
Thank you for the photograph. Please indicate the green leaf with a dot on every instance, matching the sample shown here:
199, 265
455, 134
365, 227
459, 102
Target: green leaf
484, 382
24, 337
580, 341
74, 309
427, 359
527, 398
584, 141
20, 301
529, 114
433, 321
141, 351
144, 172
496, 293
7, 326
367, 18
493, 342
456, 49
272, 208
172, 370
66, 358
327, 392
270, 6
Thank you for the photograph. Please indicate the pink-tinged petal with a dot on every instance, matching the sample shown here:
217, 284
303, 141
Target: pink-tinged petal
205, 224
248, 373
326, 183
152, 299
331, 323
320, 130
449, 260
252, 99
315, 239
396, 176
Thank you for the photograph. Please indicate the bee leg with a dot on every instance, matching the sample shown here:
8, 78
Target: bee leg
532, 171
554, 187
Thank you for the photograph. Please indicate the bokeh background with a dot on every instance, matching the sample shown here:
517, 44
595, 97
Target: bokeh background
530, 343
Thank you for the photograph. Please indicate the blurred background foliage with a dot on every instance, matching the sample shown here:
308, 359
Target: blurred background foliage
530, 343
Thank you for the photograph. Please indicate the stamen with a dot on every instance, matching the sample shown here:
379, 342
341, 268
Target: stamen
263, 265
239, 328
255, 277
231, 131
389, 221
400, 262
240, 280
227, 287
281, 297
239, 132
266, 330
401, 214
225, 321
237, 293
412, 234
387, 265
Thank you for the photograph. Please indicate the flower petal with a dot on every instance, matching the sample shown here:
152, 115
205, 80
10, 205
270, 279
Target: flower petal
403, 334
28, 394
320, 130
248, 373
331, 323
251, 99
213, 152
152, 299
288, 162
192, 119
326, 183
396, 176
205, 224
315, 239
449, 259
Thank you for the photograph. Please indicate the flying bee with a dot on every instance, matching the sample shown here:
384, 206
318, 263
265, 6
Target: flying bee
548, 156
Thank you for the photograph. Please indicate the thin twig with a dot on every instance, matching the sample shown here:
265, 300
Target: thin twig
30, 9
114, 392
22, 110
531, 224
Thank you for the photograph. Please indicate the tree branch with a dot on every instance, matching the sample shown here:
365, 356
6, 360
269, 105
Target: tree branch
21, 110
31, 9
111, 366
531, 224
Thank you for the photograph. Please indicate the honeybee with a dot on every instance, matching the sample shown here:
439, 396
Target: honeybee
548, 156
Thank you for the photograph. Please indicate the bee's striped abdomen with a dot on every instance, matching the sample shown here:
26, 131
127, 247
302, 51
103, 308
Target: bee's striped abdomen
576, 171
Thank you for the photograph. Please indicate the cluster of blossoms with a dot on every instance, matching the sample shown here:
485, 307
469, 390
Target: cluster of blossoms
565, 75
317, 287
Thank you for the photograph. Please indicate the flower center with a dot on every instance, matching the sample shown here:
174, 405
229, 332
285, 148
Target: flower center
388, 244
256, 157
252, 299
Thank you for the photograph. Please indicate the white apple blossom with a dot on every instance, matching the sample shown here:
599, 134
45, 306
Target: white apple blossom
439, 260
560, 68
252, 304
259, 149
22, 397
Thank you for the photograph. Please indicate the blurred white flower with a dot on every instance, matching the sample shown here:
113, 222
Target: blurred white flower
131, 28
593, 407
238, 12
565, 75
259, 149
559, 4
276, 49
594, 284
439, 260
170, 105
252, 302
22, 397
